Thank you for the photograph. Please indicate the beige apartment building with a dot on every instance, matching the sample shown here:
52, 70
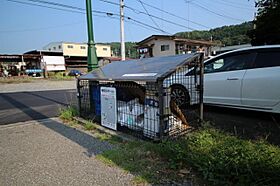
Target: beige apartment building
78, 49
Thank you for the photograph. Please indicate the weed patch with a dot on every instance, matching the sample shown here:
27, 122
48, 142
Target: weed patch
216, 157
89, 125
68, 113
59, 76
224, 159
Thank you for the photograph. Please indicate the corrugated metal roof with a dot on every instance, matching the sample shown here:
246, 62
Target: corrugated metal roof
146, 69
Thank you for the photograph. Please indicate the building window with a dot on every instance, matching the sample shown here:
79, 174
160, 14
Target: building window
59, 46
83, 47
54, 48
164, 47
70, 46
105, 49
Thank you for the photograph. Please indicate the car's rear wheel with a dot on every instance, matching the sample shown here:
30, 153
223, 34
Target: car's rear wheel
180, 96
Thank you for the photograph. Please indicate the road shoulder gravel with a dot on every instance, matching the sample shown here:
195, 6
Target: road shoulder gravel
38, 85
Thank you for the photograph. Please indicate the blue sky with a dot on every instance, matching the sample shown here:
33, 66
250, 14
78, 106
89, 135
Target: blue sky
24, 27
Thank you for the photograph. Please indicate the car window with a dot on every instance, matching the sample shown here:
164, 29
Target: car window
229, 63
214, 66
267, 59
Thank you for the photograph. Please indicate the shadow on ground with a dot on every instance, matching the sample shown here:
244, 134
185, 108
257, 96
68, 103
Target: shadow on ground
14, 106
92, 145
245, 124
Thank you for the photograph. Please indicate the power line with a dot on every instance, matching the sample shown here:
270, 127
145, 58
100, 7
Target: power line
44, 6
108, 14
144, 24
149, 14
66, 10
110, 2
233, 5
159, 18
174, 15
238, 3
188, 14
156, 17
218, 14
67, 6
134, 22
96, 11
57, 4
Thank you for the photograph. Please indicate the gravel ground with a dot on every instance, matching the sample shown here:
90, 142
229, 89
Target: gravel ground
47, 152
38, 85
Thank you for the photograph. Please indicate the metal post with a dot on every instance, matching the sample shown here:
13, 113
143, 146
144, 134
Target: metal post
161, 110
79, 97
201, 84
92, 57
23, 64
122, 29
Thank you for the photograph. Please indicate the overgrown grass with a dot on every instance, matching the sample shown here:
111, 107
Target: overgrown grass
89, 125
141, 159
225, 159
68, 113
59, 76
219, 158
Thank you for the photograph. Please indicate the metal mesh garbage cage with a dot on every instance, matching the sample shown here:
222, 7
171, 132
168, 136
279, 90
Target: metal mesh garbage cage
151, 97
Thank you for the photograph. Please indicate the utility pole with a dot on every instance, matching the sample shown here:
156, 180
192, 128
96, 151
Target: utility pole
255, 19
122, 29
188, 3
92, 57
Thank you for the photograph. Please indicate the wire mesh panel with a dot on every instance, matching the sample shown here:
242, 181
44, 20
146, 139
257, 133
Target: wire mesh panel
130, 104
181, 99
84, 98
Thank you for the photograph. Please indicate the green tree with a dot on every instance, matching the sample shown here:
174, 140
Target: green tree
267, 23
130, 49
227, 35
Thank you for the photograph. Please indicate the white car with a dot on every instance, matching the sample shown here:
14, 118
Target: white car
246, 78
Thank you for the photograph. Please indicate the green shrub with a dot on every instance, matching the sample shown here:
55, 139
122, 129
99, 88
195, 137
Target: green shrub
59, 76
68, 113
224, 159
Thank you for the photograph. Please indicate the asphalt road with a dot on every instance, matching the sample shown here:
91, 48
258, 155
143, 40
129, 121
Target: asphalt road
25, 106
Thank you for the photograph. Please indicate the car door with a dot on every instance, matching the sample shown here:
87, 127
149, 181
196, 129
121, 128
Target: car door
261, 84
223, 78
